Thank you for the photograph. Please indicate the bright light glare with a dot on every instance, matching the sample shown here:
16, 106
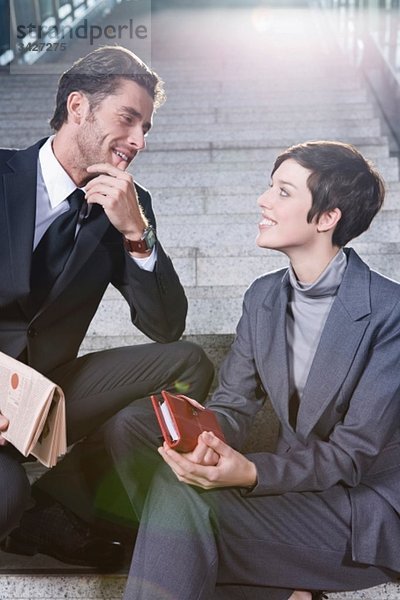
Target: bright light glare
260, 20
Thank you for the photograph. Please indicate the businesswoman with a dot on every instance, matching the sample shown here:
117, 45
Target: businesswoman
321, 339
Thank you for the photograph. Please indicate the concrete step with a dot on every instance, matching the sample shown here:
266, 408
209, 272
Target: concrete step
209, 154
224, 177
229, 199
57, 587
247, 135
254, 98
207, 171
215, 279
231, 143
170, 115
272, 129
110, 587
274, 125
281, 115
220, 230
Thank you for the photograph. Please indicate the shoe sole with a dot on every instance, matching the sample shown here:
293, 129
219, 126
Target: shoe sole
13, 546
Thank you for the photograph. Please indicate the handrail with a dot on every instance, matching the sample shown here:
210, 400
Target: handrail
369, 34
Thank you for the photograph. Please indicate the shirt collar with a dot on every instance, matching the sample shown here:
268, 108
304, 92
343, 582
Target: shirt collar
327, 283
58, 183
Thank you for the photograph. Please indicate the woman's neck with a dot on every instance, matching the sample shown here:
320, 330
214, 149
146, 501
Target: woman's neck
308, 268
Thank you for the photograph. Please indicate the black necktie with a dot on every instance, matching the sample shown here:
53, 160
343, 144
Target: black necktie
53, 250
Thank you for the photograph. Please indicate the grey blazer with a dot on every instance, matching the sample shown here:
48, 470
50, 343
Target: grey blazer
348, 426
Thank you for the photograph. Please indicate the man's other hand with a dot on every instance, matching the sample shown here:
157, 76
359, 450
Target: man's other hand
3, 427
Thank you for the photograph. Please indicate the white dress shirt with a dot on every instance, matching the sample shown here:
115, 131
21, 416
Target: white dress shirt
54, 185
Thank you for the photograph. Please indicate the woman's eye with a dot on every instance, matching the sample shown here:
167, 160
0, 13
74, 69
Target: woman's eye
283, 192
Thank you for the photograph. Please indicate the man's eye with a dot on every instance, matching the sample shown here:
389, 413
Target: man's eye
127, 119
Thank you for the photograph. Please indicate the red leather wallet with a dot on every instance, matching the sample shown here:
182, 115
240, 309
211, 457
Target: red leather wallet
181, 423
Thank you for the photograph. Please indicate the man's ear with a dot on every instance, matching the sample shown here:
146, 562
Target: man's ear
77, 107
329, 219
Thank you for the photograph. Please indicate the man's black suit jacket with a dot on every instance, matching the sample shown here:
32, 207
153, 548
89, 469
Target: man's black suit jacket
53, 335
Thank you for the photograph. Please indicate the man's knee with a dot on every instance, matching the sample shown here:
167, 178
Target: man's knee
136, 424
196, 356
15, 494
198, 373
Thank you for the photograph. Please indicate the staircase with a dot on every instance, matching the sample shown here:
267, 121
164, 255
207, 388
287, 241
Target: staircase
242, 85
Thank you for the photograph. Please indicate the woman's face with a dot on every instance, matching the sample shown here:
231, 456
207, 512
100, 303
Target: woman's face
284, 207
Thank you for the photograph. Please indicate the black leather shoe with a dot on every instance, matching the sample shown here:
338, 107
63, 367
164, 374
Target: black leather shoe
55, 531
318, 596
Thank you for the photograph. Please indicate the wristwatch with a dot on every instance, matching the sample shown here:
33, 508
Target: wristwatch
145, 244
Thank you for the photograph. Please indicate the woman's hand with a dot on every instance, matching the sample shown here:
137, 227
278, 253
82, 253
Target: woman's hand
232, 469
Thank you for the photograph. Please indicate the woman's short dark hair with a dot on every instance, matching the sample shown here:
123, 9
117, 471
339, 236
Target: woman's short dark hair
340, 178
98, 75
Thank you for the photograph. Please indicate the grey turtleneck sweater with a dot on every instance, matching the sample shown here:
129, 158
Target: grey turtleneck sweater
307, 311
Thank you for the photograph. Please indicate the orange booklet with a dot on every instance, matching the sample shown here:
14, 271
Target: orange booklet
181, 423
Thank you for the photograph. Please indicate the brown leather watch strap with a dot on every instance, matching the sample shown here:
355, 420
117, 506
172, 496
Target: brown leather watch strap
139, 246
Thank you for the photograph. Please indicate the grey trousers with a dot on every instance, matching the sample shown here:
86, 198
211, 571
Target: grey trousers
98, 386
220, 545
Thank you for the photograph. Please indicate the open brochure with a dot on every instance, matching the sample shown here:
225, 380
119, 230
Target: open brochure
35, 408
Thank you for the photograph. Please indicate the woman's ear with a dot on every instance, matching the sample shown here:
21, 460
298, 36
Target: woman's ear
77, 106
329, 219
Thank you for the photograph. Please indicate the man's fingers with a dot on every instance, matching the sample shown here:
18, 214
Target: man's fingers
108, 170
3, 427
106, 180
3, 423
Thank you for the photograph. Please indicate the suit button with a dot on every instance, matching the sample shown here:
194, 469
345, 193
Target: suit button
32, 332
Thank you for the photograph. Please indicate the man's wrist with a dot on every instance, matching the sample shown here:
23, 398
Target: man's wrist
143, 245
136, 247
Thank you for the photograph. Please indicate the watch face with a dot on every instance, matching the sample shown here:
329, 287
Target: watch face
150, 237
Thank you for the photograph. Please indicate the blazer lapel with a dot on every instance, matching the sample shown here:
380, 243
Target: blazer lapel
271, 348
344, 329
20, 197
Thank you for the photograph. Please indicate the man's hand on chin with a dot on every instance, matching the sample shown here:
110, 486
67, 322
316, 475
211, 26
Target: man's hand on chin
115, 191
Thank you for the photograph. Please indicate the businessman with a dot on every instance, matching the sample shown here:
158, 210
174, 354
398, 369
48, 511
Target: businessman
73, 221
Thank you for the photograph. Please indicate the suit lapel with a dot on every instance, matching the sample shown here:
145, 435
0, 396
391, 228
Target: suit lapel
271, 348
344, 329
20, 198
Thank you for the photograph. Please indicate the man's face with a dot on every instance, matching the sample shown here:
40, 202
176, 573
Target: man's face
114, 131
284, 207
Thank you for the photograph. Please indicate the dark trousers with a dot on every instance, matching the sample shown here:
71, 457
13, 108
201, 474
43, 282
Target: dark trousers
220, 545
98, 386
15, 490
